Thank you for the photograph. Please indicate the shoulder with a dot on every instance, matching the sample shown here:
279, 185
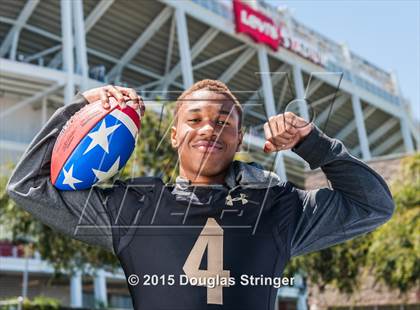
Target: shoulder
145, 185
139, 185
142, 181
253, 175
284, 188
127, 196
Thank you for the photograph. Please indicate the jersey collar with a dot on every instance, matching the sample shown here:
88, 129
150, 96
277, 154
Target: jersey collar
250, 175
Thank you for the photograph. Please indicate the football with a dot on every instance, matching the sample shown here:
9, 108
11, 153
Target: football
94, 145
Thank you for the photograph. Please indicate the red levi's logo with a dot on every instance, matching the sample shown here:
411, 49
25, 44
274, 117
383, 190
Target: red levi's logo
259, 27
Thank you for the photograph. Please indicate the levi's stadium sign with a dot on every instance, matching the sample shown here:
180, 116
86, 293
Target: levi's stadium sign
299, 46
262, 29
259, 27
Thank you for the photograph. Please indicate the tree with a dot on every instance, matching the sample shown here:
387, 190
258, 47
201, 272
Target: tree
338, 265
394, 255
153, 155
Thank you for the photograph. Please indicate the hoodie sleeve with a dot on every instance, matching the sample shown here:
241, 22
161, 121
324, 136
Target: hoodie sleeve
357, 202
79, 214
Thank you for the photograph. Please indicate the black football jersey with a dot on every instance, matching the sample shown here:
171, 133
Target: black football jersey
228, 253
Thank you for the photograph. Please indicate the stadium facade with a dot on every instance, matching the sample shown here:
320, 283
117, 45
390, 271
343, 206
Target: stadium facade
272, 62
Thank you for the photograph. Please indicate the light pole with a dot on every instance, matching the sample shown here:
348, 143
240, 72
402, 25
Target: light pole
27, 245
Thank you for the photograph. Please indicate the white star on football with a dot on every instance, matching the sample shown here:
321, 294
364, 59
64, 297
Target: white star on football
100, 137
69, 179
104, 175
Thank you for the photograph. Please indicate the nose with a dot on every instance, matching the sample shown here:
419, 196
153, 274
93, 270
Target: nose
208, 129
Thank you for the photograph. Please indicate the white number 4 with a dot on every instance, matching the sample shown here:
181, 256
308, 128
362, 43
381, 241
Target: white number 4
211, 237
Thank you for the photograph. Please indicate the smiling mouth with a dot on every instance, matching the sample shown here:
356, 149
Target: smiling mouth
208, 146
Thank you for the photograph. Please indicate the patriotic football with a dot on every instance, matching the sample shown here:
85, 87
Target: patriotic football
94, 145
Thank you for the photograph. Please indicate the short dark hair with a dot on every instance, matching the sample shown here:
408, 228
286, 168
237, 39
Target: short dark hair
211, 85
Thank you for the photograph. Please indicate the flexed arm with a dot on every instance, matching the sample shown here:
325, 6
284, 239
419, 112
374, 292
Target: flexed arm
357, 202
30, 186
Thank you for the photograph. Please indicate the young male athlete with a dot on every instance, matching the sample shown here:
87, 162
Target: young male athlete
212, 239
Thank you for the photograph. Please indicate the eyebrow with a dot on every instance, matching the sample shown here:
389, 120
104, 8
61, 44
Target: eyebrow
199, 110
194, 110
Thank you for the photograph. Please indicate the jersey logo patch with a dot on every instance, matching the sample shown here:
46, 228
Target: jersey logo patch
242, 198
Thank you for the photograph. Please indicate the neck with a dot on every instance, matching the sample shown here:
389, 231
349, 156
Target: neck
202, 179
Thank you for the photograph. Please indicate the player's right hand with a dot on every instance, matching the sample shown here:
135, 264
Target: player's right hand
123, 95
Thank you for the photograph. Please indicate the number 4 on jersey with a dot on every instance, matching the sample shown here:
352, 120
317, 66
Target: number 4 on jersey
211, 237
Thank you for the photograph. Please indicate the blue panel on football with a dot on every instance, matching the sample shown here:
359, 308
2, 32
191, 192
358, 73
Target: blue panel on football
99, 155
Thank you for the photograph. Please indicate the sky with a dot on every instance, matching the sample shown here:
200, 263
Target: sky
386, 33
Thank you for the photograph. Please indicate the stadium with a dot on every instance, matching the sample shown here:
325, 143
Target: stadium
272, 62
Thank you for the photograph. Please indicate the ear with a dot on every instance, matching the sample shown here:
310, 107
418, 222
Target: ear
174, 138
240, 137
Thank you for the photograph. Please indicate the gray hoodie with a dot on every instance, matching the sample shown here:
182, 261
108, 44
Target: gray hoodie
357, 202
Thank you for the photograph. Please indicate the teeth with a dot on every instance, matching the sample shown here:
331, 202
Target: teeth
209, 145
204, 147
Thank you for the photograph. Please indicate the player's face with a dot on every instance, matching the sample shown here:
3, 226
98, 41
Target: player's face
207, 135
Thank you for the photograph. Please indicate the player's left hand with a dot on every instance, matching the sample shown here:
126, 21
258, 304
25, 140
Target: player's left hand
284, 131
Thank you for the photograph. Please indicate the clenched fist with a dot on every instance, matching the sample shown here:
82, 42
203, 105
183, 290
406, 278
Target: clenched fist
284, 131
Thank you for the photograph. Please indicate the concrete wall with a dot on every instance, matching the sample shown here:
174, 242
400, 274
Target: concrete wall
19, 127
